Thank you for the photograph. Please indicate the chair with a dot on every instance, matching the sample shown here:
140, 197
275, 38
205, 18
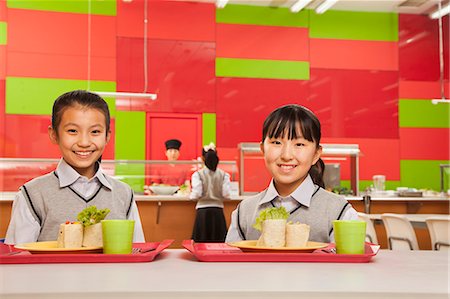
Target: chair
400, 233
371, 234
439, 232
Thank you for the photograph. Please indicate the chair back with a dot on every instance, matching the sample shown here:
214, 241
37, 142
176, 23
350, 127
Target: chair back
400, 233
439, 232
371, 235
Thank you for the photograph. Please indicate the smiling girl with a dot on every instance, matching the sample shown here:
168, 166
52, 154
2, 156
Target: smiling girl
291, 148
81, 129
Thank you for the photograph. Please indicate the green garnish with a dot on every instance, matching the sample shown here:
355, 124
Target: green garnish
270, 213
91, 215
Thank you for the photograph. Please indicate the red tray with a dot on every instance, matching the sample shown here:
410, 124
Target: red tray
221, 252
10, 255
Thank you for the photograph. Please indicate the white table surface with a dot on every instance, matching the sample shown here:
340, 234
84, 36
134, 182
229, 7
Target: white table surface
176, 274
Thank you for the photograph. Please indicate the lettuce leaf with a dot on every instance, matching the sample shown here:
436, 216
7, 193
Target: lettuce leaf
91, 215
270, 213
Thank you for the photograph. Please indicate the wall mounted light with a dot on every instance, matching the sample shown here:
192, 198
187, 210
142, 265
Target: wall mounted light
144, 96
324, 6
221, 3
445, 10
299, 5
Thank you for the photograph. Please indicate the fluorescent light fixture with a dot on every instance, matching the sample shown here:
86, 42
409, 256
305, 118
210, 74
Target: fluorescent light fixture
299, 5
221, 3
440, 12
324, 6
144, 96
437, 101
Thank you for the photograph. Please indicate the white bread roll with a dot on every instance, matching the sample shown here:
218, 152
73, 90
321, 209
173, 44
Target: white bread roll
93, 235
273, 233
70, 235
297, 234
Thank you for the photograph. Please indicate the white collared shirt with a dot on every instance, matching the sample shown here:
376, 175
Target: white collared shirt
23, 227
302, 195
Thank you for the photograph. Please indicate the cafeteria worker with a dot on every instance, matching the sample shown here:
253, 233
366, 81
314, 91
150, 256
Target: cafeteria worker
172, 174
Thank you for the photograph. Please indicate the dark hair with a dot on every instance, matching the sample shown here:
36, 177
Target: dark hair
287, 120
79, 97
211, 159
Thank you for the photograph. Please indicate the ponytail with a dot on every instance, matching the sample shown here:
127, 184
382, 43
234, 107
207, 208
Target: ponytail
211, 159
316, 173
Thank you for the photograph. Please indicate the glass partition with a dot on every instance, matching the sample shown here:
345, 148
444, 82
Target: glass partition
137, 173
253, 176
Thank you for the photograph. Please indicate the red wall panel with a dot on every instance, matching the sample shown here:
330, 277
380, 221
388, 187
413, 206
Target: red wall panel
378, 156
61, 66
355, 103
353, 55
424, 144
421, 89
3, 14
262, 42
3, 62
419, 48
182, 73
174, 20
2, 117
55, 45
26, 136
243, 104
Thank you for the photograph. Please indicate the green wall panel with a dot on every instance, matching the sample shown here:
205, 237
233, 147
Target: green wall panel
132, 174
98, 7
351, 25
423, 114
3, 33
423, 174
36, 95
130, 135
257, 68
208, 128
260, 15
130, 145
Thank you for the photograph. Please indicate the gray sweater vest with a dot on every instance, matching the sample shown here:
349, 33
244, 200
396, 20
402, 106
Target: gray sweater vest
51, 205
212, 183
324, 208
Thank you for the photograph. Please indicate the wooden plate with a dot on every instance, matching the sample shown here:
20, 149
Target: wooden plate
250, 246
52, 247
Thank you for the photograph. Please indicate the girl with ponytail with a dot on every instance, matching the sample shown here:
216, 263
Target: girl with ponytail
291, 148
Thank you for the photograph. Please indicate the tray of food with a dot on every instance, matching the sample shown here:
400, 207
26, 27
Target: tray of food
223, 252
280, 241
47, 253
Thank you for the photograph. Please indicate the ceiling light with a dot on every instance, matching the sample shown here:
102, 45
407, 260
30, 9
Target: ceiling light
299, 5
144, 96
221, 3
325, 6
440, 12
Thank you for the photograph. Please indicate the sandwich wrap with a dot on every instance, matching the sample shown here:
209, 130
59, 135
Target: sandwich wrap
70, 235
91, 218
297, 234
272, 224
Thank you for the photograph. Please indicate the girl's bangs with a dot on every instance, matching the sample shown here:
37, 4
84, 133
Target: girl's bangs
292, 126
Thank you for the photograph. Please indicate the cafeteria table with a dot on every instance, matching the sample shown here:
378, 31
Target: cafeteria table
177, 274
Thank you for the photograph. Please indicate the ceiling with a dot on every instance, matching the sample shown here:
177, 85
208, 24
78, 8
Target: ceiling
400, 6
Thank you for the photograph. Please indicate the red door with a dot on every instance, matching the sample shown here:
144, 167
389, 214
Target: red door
163, 126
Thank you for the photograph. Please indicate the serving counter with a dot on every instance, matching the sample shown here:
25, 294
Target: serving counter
172, 217
176, 274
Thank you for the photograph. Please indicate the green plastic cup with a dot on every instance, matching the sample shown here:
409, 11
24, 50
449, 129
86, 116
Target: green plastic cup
117, 236
349, 236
